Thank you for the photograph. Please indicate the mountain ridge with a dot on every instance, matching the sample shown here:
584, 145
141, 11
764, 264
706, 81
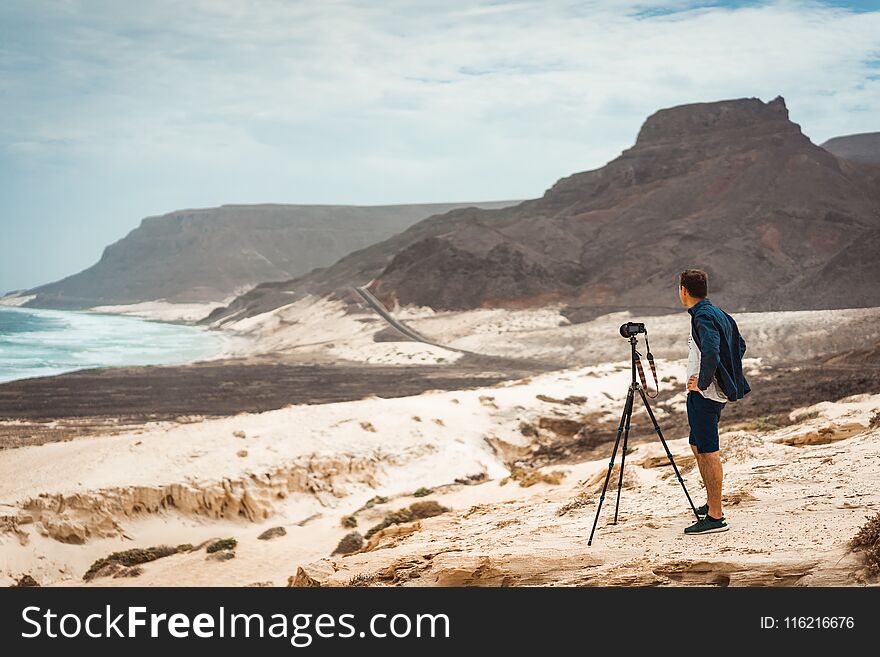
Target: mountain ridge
202, 255
733, 187
863, 147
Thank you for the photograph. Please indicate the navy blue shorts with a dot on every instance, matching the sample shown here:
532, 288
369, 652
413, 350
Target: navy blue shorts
703, 416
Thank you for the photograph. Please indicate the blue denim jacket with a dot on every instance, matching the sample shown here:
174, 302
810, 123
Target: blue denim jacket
721, 349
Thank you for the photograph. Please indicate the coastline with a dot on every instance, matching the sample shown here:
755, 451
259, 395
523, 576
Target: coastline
162, 311
62, 341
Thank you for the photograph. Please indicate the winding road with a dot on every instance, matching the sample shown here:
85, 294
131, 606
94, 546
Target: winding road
402, 328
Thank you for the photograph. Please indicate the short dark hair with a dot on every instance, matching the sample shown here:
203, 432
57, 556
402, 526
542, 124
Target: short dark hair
696, 282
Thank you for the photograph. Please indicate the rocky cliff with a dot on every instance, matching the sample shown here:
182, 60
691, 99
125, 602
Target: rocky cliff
209, 254
732, 187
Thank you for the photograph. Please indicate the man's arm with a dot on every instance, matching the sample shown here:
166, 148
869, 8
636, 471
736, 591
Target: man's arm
710, 350
742, 347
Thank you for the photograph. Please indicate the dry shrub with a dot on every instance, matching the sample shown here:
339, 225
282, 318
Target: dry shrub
25, 581
130, 558
350, 543
415, 511
803, 417
361, 579
579, 502
274, 532
528, 478
473, 479
222, 544
867, 540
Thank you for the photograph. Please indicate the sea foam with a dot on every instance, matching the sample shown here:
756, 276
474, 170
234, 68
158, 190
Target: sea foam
35, 342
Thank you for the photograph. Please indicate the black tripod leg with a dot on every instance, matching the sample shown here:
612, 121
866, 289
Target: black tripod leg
668, 453
623, 456
624, 419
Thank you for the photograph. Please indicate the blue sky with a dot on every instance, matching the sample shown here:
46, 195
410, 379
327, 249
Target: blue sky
113, 111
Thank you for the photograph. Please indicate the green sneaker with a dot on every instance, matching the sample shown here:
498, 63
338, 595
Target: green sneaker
703, 511
708, 525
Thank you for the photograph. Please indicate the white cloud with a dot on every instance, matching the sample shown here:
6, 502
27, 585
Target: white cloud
212, 101
336, 84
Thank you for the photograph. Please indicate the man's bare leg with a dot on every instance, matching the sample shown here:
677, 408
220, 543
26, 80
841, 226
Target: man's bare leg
713, 477
697, 456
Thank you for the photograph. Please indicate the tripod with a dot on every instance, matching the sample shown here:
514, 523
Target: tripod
623, 428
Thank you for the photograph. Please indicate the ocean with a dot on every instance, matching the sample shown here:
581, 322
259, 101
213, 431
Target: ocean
44, 342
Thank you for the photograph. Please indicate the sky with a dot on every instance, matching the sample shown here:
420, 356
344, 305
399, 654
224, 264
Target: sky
112, 111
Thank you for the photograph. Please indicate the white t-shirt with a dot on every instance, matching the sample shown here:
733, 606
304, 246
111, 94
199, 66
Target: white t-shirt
693, 369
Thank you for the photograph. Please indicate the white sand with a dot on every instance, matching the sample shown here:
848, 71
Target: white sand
544, 333
15, 300
792, 509
163, 311
322, 329
206, 450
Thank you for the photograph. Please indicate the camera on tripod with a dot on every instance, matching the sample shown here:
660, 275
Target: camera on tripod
630, 329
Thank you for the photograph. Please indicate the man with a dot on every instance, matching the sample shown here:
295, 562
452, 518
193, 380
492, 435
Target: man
714, 377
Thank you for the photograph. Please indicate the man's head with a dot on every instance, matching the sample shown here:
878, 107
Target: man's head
693, 286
